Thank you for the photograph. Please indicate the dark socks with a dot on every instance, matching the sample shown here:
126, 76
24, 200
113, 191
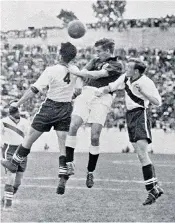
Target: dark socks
69, 154
92, 162
149, 176
15, 189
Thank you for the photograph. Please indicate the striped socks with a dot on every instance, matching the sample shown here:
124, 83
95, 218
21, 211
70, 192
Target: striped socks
149, 176
8, 195
62, 166
20, 154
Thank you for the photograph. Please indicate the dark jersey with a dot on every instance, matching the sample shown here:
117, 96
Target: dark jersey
114, 68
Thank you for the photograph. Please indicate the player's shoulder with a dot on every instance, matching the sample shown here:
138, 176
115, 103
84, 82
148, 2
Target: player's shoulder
5, 119
114, 61
114, 64
72, 65
146, 80
54, 67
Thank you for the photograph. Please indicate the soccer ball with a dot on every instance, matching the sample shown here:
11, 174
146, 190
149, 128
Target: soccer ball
76, 29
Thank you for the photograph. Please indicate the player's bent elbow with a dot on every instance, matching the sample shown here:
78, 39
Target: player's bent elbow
157, 102
92, 77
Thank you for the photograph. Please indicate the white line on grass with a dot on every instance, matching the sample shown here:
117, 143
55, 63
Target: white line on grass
133, 162
97, 180
78, 188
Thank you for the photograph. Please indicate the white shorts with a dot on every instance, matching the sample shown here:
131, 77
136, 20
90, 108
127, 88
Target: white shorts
92, 109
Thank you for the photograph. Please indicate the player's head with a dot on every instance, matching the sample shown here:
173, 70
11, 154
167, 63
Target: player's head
104, 48
14, 112
135, 67
68, 52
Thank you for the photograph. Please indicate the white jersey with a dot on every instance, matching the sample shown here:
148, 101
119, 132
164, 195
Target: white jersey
13, 133
60, 82
133, 97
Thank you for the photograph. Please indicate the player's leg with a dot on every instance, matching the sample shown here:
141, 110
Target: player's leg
18, 180
62, 126
66, 164
93, 153
8, 190
79, 115
97, 118
76, 122
61, 135
149, 175
41, 123
19, 175
140, 134
7, 153
22, 151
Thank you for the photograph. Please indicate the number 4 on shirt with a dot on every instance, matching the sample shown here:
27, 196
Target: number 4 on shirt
67, 78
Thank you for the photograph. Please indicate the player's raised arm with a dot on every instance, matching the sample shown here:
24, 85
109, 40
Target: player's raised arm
39, 85
78, 87
90, 74
109, 69
113, 86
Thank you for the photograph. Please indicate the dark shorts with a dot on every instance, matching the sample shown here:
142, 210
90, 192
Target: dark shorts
53, 114
139, 125
8, 151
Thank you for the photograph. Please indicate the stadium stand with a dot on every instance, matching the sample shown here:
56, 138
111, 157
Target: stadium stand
22, 64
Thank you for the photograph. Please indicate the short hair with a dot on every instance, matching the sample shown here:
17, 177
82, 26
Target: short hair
13, 110
106, 44
138, 65
68, 52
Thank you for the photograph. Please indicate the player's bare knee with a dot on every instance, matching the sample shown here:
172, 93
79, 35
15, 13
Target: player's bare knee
142, 144
95, 138
75, 125
143, 157
73, 129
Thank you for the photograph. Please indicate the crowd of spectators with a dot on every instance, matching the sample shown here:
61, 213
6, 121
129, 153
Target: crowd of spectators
21, 65
122, 24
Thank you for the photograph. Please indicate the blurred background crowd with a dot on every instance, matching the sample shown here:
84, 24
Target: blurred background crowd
21, 65
106, 23
163, 23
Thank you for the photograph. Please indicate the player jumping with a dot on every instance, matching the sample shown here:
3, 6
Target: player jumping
54, 112
90, 109
139, 92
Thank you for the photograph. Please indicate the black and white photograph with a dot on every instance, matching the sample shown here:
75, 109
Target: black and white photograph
87, 126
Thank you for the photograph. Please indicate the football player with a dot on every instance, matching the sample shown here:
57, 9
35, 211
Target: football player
54, 112
139, 92
88, 108
13, 130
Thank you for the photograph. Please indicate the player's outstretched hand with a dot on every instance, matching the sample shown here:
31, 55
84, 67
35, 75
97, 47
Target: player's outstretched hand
105, 66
